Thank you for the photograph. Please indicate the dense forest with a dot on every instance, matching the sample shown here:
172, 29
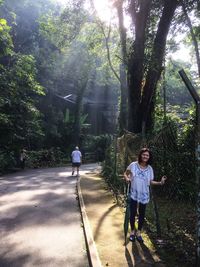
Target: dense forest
49, 52
72, 77
64, 73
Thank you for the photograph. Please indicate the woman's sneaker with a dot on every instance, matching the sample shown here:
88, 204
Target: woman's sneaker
132, 238
139, 239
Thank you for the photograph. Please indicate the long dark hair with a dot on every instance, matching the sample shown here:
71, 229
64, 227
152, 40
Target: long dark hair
144, 149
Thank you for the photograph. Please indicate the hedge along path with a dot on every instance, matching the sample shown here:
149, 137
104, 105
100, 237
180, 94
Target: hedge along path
106, 220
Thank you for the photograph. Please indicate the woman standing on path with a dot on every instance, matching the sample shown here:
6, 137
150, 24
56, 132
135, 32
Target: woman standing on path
141, 176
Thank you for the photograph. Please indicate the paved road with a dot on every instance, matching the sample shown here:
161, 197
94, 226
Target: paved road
40, 223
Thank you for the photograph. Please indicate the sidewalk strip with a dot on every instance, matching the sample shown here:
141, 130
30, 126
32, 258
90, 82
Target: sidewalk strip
92, 251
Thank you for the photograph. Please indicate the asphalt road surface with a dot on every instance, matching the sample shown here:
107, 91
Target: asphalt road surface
40, 222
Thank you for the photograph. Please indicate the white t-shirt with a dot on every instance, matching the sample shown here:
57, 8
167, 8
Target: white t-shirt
140, 182
76, 156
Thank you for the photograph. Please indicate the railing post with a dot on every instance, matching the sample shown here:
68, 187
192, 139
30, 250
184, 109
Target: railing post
196, 98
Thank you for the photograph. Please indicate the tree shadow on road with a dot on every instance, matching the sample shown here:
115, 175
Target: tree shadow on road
35, 204
103, 217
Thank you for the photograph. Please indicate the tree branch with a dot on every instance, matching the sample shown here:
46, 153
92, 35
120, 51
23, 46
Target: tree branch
107, 38
194, 39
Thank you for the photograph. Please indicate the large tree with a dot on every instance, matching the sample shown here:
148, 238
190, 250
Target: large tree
151, 20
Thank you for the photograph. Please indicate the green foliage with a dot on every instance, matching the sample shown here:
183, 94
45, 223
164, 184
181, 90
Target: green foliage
6, 44
173, 149
91, 143
110, 169
178, 98
7, 159
176, 91
92, 35
45, 158
20, 119
108, 165
22, 16
173, 155
178, 231
62, 30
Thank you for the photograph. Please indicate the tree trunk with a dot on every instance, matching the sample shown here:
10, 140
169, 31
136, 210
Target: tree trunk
78, 113
122, 30
136, 62
77, 127
123, 101
148, 98
123, 76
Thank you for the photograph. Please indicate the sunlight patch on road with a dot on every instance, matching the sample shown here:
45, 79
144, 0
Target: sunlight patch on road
11, 202
64, 174
47, 241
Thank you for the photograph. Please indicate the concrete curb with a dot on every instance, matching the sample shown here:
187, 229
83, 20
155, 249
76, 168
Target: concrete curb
91, 247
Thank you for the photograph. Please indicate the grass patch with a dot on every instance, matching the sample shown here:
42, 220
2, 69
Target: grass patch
178, 225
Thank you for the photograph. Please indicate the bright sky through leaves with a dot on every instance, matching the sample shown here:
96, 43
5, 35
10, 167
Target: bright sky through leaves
106, 13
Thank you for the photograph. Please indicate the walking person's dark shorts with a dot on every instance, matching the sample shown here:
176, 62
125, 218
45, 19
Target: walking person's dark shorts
76, 164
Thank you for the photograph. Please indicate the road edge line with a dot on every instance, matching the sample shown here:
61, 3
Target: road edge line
91, 247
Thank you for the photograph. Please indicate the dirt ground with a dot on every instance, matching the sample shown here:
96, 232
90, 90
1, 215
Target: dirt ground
106, 219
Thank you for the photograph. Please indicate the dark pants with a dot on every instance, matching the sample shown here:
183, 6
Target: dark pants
76, 164
22, 163
133, 212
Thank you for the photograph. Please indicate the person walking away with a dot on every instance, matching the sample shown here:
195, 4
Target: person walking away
22, 158
140, 174
76, 160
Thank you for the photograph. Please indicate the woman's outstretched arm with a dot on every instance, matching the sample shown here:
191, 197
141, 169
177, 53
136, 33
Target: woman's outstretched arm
161, 182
